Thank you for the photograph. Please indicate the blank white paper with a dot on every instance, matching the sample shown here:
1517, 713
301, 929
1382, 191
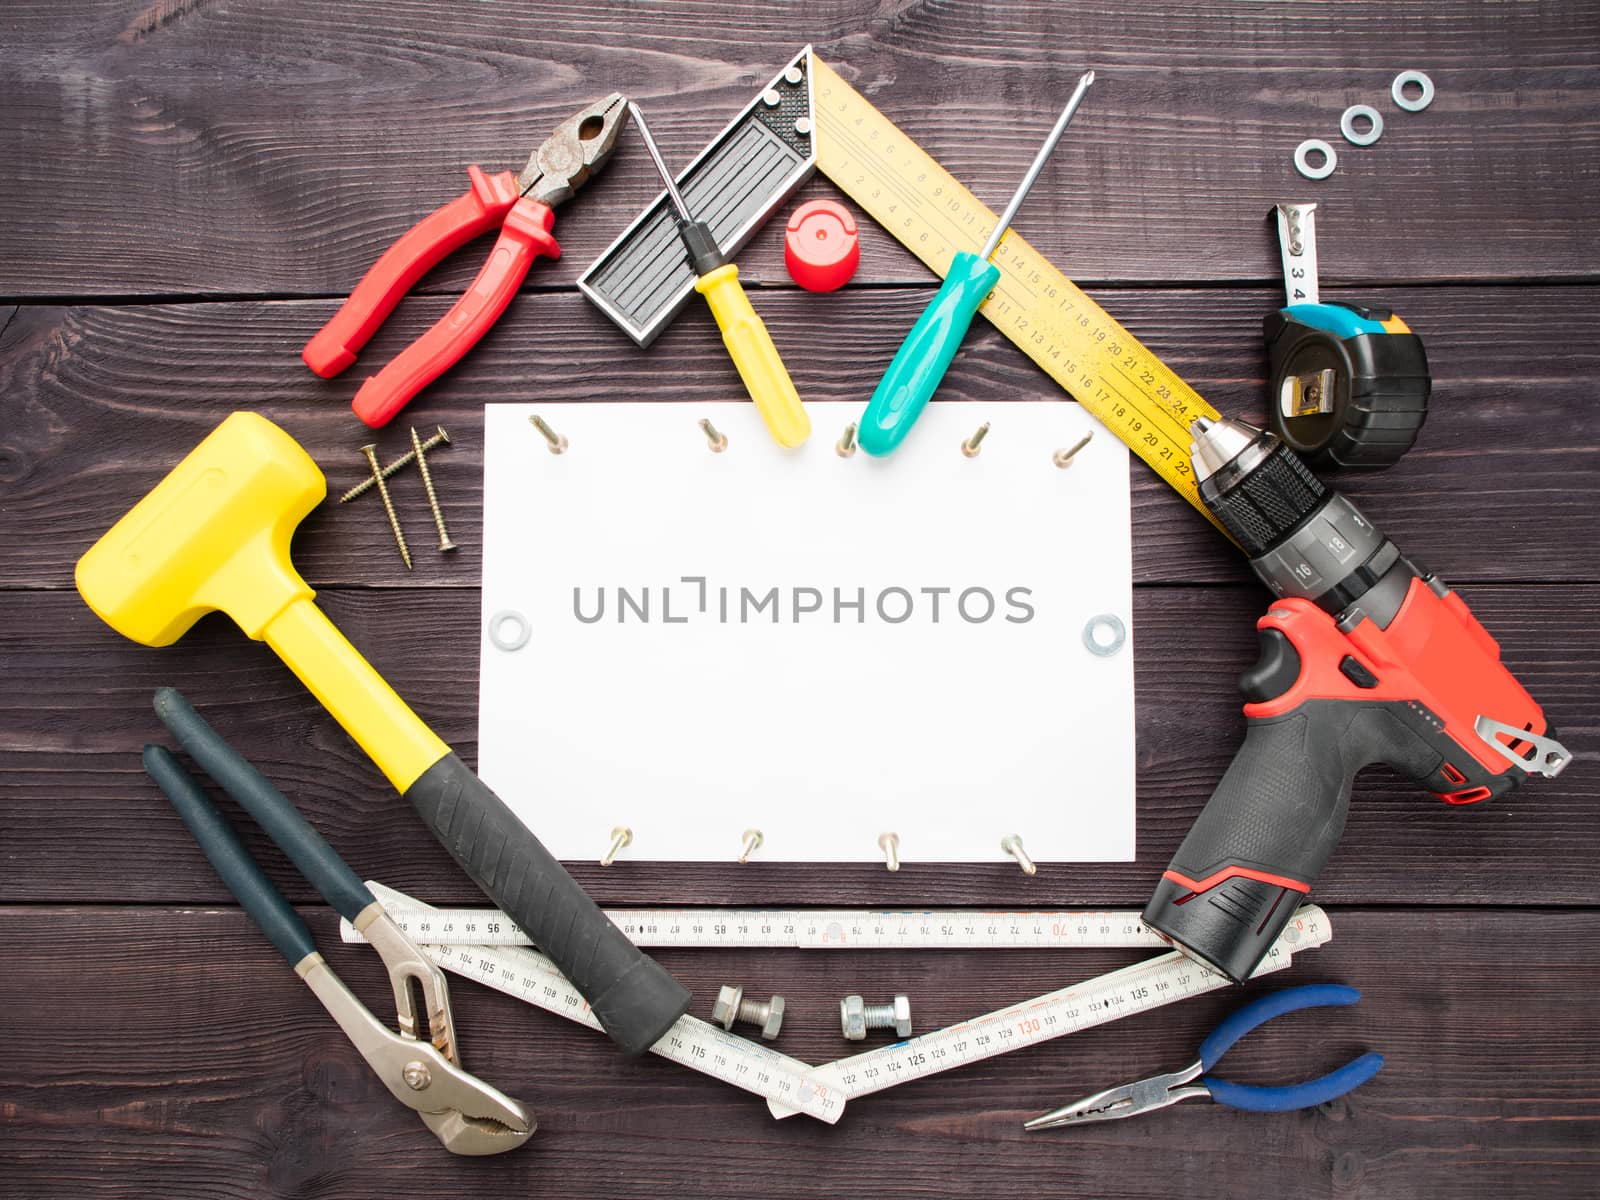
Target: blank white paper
822, 648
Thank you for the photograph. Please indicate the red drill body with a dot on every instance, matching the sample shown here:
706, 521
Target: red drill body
1364, 659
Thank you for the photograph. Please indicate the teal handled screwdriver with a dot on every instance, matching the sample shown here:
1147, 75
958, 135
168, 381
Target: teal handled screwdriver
926, 354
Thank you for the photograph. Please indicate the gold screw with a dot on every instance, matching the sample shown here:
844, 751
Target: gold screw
752, 843
433, 443
621, 836
889, 843
719, 441
1012, 845
846, 445
1063, 458
427, 485
558, 444
970, 446
371, 452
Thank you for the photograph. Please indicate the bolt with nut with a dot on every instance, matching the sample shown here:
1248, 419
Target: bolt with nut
731, 1006
856, 1016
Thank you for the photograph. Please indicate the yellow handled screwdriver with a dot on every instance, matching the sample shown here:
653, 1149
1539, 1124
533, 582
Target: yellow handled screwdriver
743, 333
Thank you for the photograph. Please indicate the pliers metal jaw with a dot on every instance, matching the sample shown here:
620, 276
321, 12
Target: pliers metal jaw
521, 207
1128, 1100
1159, 1091
467, 1115
577, 149
408, 965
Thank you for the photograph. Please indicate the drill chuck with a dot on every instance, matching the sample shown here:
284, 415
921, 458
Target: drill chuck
1301, 539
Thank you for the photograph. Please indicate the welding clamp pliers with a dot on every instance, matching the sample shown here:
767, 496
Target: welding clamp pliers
1161, 1090
467, 1115
521, 206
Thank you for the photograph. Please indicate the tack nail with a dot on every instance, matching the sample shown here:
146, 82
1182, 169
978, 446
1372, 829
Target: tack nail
1063, 458
719, 441
621, 836
970, 446
558, 443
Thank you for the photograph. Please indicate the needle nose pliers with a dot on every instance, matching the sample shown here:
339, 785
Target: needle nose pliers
1161, 1090
521, 205
467, 1115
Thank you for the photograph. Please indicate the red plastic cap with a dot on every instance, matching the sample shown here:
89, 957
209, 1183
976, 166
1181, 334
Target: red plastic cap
820, 246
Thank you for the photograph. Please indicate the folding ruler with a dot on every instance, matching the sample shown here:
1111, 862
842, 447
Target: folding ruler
789, 1085
801, 929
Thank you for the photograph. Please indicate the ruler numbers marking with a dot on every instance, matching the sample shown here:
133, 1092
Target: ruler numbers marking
1066, 333
791, 1086
691, 1042
1147, 985
836, 929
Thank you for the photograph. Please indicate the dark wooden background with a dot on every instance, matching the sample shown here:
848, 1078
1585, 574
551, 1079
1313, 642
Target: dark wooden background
188, 188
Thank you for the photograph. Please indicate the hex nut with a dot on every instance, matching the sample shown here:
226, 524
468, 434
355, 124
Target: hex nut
774, 1019
853, 1018
902, 1016
726, 1008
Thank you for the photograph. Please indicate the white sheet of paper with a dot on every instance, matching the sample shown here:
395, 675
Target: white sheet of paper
818, 647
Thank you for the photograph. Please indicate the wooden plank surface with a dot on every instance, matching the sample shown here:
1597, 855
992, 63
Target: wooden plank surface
107, 398
187, 1049
194, 147
78, 711
190, 186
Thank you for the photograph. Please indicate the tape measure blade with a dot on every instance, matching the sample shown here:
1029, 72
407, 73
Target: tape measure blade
902, 187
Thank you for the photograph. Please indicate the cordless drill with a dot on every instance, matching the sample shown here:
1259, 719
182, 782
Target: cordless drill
1364, 658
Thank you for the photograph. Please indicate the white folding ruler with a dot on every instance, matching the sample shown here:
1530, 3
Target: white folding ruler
799, 929
789, 1085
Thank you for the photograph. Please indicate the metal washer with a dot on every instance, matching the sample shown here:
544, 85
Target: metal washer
1347, 125
1397, 90
1305, 168
497, 635
1108, 621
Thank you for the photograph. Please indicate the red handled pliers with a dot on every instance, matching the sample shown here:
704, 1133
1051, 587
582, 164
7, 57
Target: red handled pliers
521, 206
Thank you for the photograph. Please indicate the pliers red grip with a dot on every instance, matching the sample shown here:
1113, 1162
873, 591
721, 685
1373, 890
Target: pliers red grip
522, 208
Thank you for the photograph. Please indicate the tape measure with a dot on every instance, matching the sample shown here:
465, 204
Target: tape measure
797, 929
1076, 342
790, 1086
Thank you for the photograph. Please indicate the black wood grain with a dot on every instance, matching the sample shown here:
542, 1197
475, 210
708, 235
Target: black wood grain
103, 400
213, 148
83, 822
187, 187
178, 1057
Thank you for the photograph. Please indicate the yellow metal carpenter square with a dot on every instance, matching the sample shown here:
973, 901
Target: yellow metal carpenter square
1077, 343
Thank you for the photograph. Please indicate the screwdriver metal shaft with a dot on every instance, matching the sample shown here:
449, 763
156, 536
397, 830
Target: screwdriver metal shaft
923, 358
1039, 160
661, 166
748, 342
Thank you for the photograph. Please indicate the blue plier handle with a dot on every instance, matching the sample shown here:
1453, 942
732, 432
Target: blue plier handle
1159, 1091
